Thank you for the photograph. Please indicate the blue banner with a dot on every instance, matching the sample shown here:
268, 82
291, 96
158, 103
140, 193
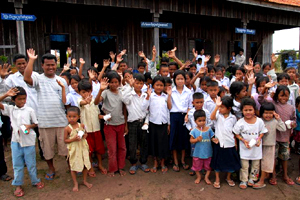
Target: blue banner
156, 25
245, 31
17, 17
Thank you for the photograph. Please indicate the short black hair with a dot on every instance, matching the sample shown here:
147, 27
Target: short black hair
221, 89
210, 67
227, 101
158, 78
164, 59
148, 76
198, 95
19, 56
218, 69
141, 64
278, 90
242, 50
212, 83
259, 80
67, 74
113, 74
73, 109
174, 63
48, 56
221, 66
265, 65
241, 69
167, 80
205, 78
139, 77
199, 113
190, 74
289, 68
266, 106
283, 76
235, 88
192, 65
21, 90
177, 73
127, 71
247, 102
75, 77
85, 84
163, 65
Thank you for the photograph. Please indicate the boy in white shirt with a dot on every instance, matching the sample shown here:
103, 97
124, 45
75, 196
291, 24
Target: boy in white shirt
212, 90
23, 121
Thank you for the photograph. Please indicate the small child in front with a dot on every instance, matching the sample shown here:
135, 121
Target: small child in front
23, 121
78, 148
201, 136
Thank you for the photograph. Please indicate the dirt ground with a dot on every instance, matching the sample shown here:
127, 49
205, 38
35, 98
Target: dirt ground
172, 185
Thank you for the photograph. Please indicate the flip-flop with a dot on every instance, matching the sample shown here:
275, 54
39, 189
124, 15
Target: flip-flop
145, 168
217, 185
298, 180
243, 185
40, 185
103, 171
230, 183
164, 169
289, 181
250, 183
19, 193
50, 177
5, 177
185, 166
176, 168
153, 169
192, 173
273, 181
122, 172
257, 186
133, 169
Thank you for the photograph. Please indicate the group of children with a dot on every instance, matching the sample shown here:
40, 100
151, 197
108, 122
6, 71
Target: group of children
225, 123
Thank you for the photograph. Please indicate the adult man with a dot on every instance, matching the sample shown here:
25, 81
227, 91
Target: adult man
240, 58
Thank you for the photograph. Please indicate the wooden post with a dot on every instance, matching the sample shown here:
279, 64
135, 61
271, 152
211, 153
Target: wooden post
20, 29
245, 41
156, 33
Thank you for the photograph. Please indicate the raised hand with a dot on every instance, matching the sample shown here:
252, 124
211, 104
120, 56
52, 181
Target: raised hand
251, 78
248, 67
4, 70
89, 99
207, 58
187, 64
66, 67
154, 50
250, 62
269, 85
106, 63
276, 115
12, 92
96, 65
202, 70
104, 83
141, 54
91, 74
217, 58
171, 53
119, 58
149, 91
131, 81
112, 55
218, 101
169, 90
69, 50
195, 53
31, 54
273, 58
60, 83
123, 52
82, 61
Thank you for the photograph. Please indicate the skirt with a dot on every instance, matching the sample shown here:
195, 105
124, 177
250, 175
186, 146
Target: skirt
158, 140
179, 136
225, 159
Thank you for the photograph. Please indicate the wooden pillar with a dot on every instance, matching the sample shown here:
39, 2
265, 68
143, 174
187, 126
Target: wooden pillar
156, 33
267, 46
20, 28
244, 44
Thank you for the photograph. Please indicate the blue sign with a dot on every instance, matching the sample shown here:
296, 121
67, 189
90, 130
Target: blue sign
245, 31
292, 63
17, 17
156, 25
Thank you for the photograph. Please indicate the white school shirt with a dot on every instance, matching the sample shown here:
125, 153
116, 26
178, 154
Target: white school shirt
181, 102
205, 95
203, 58
223, 130
158, 108
209, 104
225, 81
96, 88
72, 98
248, 132
133, 104
18, 117
17, 79
191, 124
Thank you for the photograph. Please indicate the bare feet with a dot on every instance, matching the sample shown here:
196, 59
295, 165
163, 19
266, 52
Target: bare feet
102, 169
122, 172
88, 185
198, 180
111, 174
75, 188
207, 181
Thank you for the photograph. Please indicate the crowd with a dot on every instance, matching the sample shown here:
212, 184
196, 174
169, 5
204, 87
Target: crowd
236, 118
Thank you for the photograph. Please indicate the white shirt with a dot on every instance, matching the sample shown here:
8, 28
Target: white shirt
18, 117
181, 102
158, 108
225, 81
209, 104
191, 124
198, 89
72, 98
96, 88
17, 79
203, 58
133, 104
223, 130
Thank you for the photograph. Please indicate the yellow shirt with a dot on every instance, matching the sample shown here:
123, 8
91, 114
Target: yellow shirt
89, 116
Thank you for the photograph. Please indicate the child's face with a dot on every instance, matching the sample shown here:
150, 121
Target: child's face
21, 64
158, 87
268, 115
141, 69
203, 86
95, 75
72, 117
248, 112
123, 67
179, 80
172, 69
219, 75
213, 91
283, 97
66, 79
127, 76
198, 103
284, 82
73, 61
201, 121
85, 93
212, 74
73, 71
149, 81
74, 84
20, 101
292, 74
257, 68
114, 84
164, 71
266, 69
222, 94
138, 85
242, 93
187, 80
193, 70
166, 87
261, 86
232, 53
239, 75
224, 110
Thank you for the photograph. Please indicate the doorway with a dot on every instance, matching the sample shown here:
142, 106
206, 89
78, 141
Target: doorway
58, 47
165, 45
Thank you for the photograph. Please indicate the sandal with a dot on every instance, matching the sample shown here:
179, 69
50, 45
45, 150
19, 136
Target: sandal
250, 183
273, 181
133, 169
164, 169
145, 168
185, 166
153, 169
289, 181
258, 186
230, 182
19, 193
176, 168
192, 173
298, 180
243, 185
111, 174
122, 172
103, 171
5, 177
40, 185
217, 185
50, 177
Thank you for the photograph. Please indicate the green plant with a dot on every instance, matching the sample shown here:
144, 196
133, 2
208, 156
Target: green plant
4, 59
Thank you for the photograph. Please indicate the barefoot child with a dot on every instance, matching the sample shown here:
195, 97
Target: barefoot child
201, 136
23, 121
78, 148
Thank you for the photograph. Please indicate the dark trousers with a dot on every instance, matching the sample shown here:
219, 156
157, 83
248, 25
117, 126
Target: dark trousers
137, 136
3, 167
6, 128
36, 130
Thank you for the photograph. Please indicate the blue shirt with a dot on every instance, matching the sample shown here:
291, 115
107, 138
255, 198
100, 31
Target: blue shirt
298, 120
203, 149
